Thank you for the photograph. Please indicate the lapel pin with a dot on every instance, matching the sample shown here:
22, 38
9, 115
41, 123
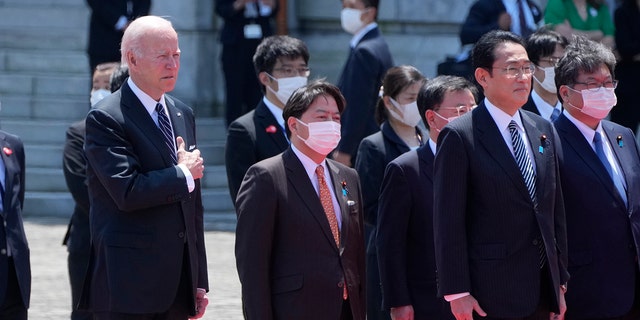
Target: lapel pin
543, 141
345, 191
271, 129
7, 151
619, 140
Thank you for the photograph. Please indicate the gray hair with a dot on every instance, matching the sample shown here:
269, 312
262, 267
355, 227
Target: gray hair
137, 30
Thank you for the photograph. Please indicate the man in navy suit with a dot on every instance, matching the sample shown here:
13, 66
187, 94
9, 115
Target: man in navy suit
369, 58
500, 236
299, 238
600, 174
15, 269
405, 215
545, 47
518, 16
282, 66
148, 258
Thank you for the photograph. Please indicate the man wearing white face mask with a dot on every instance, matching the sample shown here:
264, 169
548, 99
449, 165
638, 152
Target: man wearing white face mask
369, 59
299, 238
544, 48
281, 65
600, 182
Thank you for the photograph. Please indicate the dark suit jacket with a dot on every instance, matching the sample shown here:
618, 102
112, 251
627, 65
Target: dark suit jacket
531, 106
11, 228
251, 138
405, 236
483, 17
142, 215
232, 31
359, 83
74, 166
104, 39
287, 259
603, 233
487, 229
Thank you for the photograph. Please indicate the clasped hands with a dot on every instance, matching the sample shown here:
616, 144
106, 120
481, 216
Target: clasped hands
191, 159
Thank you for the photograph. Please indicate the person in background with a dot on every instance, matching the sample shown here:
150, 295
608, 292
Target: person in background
545, 48
148, 258
281, 63
404, 235
74, 165
589, 18
246, 23
369, 59
101, 81
398, 117
627, 22
600, 176
108, 21
499, 224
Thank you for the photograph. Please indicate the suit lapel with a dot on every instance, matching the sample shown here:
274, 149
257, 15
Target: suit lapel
9, 166
538, 143
491, 139
622, 157
265, 120
297, 176
341, 191
426, 158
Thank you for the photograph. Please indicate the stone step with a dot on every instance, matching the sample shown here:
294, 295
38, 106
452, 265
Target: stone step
31, 14
44, 38
60, 62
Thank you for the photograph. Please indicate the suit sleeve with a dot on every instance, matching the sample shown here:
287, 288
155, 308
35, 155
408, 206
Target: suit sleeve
116, 164
450, 233
480, 20
394, 211
370, 167
239, 156
560, 223
256, 208
74, 167
108, 12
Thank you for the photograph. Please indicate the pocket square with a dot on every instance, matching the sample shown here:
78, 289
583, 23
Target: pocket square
191, 147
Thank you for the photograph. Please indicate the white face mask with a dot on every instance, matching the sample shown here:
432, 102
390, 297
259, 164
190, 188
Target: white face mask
324, 136
97, 95
597, 104
410, 113
350, 20
447, 120
286, 87
549, 82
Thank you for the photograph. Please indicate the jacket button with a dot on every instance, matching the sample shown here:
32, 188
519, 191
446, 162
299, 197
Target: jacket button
535, 242
180, 234
3, 252
340, 284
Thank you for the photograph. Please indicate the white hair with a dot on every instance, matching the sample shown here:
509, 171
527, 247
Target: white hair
137, 30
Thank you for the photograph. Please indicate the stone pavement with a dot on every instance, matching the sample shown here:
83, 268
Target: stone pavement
51, 296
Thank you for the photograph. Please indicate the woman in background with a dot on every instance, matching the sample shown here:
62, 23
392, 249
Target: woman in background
590, 18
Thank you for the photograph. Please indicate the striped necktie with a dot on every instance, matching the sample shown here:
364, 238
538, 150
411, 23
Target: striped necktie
167, 133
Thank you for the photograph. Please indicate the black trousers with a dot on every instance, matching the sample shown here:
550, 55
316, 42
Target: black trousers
243, 91
77, 263
13, 308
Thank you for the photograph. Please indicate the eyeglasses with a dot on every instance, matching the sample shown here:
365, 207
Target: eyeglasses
551, 60
595, 86
292, 72
513, 71
460, 110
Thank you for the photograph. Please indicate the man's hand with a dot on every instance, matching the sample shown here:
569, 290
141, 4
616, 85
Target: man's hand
504, 21
463, 308
191, 159
342, 157
402, 313
562, 305
201, 303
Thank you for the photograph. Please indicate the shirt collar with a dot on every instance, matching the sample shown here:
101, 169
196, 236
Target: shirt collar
275, 111
308, 164
358, 36
146, 100
501, 118
544, 108
432, 146
586, 131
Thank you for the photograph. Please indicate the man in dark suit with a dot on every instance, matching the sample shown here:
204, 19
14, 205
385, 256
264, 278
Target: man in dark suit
246, 23
108, 21
299, 237
405, 215
368, 61
147, 255
600, 175
15, 268
281, 64
500, 234
518, 16
545, 47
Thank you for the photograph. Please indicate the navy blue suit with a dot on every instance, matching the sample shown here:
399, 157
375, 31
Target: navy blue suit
251, 138
405, 236
483, 17
603, 233
360, 83
12, 235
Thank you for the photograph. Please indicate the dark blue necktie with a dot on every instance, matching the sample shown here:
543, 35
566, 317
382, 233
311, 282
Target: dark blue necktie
599, 146
165, 128
555, 114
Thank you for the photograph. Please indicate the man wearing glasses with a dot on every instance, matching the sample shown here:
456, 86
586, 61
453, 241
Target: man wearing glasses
545, 47
281, 65
600, 175
500, 236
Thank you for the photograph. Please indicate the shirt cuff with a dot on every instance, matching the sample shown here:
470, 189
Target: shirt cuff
451, 297
122, 22
187, 174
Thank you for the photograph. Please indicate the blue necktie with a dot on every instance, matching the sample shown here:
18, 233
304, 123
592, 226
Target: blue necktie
599, 146
555, 114
165, 128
